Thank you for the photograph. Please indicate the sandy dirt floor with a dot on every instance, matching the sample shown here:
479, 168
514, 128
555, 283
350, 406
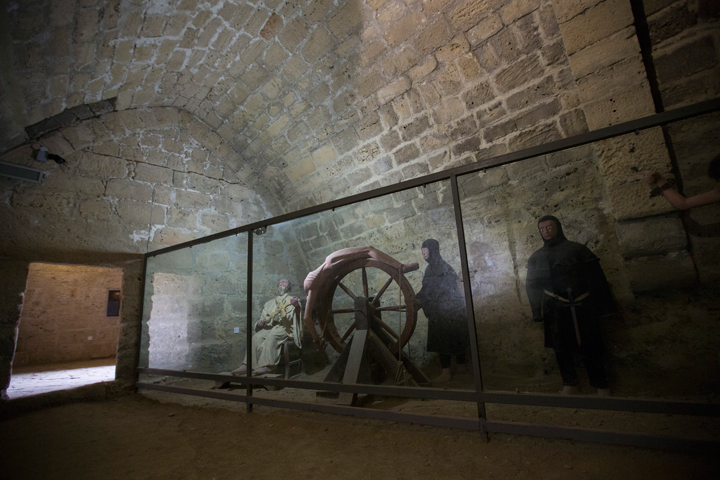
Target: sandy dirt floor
138, 437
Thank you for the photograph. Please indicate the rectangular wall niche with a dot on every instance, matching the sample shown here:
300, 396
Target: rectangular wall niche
64, 315
113, 303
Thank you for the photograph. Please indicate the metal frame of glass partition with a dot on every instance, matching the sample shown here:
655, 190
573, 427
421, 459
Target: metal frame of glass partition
479, 396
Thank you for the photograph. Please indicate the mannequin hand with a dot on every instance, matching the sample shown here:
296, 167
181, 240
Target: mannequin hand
260, 323
652, 178
294, 302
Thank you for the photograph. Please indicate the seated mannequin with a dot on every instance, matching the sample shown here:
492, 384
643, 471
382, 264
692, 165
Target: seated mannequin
279, 322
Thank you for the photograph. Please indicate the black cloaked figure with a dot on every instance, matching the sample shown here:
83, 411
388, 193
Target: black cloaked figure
444, 307
569, 293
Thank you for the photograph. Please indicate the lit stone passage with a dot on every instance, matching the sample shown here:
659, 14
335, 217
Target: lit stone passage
30, 381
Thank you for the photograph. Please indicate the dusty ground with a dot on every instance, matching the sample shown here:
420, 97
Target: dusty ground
137, 437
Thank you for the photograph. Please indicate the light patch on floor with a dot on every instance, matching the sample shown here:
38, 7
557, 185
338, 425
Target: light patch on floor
27, 381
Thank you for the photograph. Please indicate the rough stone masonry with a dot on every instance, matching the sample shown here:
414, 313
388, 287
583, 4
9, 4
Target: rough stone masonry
224, 112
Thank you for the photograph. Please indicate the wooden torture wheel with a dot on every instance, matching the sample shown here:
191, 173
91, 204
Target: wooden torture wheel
336, 323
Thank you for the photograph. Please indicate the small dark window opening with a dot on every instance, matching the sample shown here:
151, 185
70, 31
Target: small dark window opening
113, 305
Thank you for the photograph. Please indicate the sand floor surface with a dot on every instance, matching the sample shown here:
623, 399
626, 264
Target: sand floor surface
137, 437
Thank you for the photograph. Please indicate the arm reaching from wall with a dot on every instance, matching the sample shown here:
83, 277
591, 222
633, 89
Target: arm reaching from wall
676, 199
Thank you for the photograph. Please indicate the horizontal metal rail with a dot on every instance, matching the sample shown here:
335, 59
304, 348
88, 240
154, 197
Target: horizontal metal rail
662, 406
632, 126
513, 428
450, 422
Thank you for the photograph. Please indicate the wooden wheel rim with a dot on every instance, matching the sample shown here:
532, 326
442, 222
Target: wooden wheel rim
326, 320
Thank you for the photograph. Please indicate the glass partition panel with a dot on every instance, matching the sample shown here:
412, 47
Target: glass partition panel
361, 269
194, 315
546, 316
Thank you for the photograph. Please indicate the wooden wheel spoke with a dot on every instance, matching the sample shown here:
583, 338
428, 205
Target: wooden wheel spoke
376, 300
347, 334
393, 308
387, 328
365, 283
343, 310
346, 290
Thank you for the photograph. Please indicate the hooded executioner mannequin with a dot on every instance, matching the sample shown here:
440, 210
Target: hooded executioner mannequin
279, 321
444, 307
568, 292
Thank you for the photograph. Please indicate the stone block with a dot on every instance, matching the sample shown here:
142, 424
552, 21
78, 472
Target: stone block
181, 218
542, 91
651, 236
671, 21
478, 183
95, 209
674, 271
514, 10
533, 137
478, 95
255, 77
605, 52
215, 223
573, 122
101, 166
465, 15
692, 57
448, 111
596, 23
191, 200
423, 69
345, 141
618, 107
138, 214
319, 43
538, 114
471, 144
404, 28
346, 20
434, 35
519, 73
59, 181
401, 61
487, 27
625, 74
153, 174
448, 81
398, 87
500, 130
300, 169
413, 129
406, 154
490, 114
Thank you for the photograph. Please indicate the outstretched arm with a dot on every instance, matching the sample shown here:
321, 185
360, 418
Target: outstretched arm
677, 200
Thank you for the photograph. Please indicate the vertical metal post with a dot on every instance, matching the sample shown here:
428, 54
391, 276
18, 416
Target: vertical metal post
142, 311
248, 322
469, 308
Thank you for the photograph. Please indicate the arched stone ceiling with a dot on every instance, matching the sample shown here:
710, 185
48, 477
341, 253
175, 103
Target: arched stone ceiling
319, 98
134, 181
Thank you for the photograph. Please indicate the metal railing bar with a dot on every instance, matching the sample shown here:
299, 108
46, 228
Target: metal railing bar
662, 406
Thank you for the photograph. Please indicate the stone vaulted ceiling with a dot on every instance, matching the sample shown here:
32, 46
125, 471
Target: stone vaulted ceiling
317, 98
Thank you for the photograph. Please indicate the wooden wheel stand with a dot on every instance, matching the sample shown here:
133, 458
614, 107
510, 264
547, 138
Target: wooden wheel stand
373, 355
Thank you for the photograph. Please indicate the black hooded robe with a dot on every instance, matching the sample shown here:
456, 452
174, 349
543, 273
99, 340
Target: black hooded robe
443, 304
561, 264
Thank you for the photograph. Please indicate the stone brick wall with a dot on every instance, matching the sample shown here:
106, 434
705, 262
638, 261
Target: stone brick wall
228, 113
134, 181
64, 316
